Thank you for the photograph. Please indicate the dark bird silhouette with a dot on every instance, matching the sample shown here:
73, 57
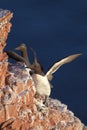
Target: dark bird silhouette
36, 67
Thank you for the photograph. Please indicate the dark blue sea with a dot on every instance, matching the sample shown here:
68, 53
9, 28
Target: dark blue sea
55, 29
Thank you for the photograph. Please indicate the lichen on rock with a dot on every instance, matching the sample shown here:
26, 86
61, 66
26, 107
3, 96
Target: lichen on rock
20, 108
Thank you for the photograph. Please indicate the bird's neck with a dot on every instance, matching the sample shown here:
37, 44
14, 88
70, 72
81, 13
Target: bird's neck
25, 55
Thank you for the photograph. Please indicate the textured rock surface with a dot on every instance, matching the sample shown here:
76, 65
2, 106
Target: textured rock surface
20, 108
5, 25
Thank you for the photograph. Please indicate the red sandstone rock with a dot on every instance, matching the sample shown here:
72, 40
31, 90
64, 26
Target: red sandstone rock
20, 108
5, 25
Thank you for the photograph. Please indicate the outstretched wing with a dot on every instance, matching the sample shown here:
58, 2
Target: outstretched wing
15, 56
58, 64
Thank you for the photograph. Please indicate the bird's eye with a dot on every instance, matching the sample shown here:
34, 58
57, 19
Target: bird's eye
31, 72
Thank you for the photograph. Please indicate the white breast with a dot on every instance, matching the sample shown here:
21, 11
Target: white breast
42, 84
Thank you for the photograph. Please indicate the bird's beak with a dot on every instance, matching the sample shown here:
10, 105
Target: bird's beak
17, 48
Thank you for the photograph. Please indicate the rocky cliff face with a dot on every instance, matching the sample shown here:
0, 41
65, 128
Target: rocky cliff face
5, 25
20, 108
